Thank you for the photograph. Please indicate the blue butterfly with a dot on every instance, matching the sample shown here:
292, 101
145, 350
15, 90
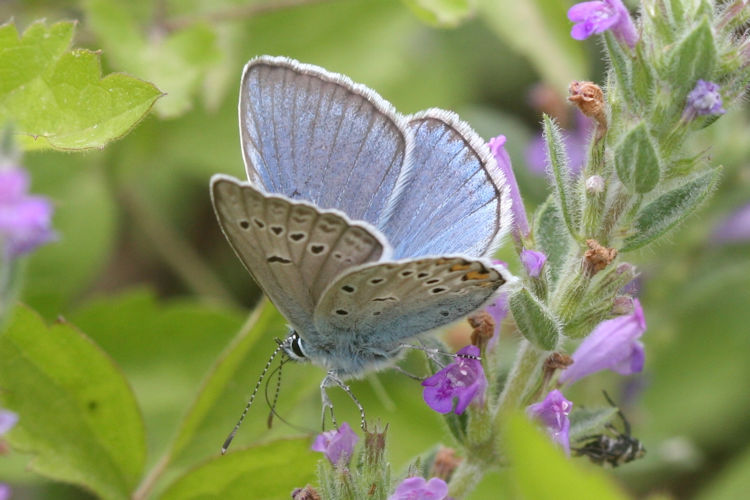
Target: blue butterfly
364, 227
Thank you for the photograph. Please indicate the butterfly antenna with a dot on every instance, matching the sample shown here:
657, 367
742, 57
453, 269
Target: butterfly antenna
229, 438
274, 413
271, 405
433, 353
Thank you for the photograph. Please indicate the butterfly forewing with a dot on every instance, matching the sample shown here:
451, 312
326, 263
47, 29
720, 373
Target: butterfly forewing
293, 249
392, 301
455, 201
314, 135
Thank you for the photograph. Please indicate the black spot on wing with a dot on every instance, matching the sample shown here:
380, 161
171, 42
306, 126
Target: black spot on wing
275, 259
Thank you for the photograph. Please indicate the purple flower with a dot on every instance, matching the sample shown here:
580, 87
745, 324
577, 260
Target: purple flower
553, 413
337, 444
463, 379
520, 222
498, 310
416, 488
24, 220
4, 491
704, 99
7, 420
576, 143
735, 228
613, 345
533, 262
596, 17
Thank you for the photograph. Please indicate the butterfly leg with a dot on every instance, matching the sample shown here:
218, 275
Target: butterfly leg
328, 381
348, 390
408, 374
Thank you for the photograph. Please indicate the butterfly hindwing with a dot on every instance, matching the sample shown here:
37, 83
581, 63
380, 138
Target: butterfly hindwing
293, 249
455, 201
314, 135
388, 302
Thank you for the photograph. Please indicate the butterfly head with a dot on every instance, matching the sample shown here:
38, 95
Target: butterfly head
292, 346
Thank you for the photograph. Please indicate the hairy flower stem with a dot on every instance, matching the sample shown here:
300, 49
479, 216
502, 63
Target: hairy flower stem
592, 211
521, 376
567, 298
465, 478
594, 202
612, 216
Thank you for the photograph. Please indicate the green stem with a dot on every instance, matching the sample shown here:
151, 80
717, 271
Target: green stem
522, 374
569, 294
465, 478
616, 208
153, 476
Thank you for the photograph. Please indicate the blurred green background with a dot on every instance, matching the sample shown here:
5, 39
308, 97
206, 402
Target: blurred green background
142, 268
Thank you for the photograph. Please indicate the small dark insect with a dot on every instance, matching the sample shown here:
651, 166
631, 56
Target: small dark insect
612, 449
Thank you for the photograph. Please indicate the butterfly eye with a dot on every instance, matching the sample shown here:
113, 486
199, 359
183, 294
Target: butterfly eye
297, 347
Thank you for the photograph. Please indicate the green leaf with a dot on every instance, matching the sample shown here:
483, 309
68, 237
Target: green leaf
57, 98
552, 237
534, 320
540, 30
670, 209
676, 12
441, 13
558, 159
221, 376
77, 413
643, 75
636, 161
225, 389
693, 58
172, 344
621, 66
542, 472
176, 62
259, 472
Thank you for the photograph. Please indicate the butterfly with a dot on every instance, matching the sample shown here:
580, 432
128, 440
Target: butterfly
364, 227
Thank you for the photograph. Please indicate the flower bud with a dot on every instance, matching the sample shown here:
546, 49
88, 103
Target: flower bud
337, 445
704, 99
533, 262
595, 185
623, 304
445, 463
589, 98
483, 325
306, 493
597, 257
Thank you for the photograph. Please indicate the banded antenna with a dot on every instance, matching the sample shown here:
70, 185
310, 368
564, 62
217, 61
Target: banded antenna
230, 437
273, 413
271, 405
